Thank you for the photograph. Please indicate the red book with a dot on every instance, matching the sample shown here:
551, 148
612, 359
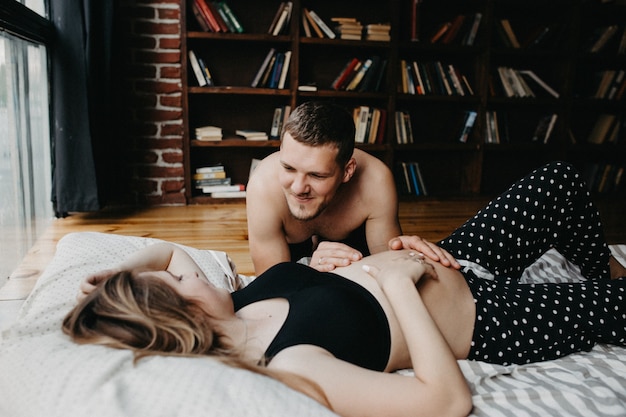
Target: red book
208, 16
345, 74
218, 17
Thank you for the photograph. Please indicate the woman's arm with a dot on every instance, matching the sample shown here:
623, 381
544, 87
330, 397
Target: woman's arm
157, 257
438, 388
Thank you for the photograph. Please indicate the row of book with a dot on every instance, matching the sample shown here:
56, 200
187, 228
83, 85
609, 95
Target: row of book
461, 30
426, 78
604, 178
403, 127
608, 128
273, 70
523, 83
213, 181
409, 179
200, 70
361, 75
216, 16
497, 128
609, 85
370, 124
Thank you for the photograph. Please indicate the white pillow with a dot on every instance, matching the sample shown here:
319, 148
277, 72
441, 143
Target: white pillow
43, 373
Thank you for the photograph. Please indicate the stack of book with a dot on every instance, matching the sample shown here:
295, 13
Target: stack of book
378, 32
216, 16
280, 23
273, 70
212, 180
348, 28
314, 25
250, 134
370, 124
404, 128
361, 75
433, 78
209, 133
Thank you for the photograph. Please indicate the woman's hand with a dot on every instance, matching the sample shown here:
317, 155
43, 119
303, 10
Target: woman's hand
330, 255
413, 266
429, 249
92, 281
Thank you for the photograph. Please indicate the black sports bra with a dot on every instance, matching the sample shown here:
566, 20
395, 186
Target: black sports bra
325, 310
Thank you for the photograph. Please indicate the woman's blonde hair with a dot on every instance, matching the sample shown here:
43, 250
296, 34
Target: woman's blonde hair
148, 317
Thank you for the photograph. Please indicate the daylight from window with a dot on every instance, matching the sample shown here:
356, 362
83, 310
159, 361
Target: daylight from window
25, 183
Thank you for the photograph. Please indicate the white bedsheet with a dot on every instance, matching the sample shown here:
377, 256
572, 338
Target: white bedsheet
42, 373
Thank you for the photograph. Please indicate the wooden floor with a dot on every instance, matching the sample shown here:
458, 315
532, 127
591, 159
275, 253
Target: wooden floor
224, 227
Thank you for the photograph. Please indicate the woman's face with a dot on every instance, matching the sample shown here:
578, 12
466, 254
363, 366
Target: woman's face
190, 285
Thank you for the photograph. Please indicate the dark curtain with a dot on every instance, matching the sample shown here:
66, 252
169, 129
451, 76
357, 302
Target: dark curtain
81, 101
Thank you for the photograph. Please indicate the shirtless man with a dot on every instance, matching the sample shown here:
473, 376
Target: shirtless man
319, 197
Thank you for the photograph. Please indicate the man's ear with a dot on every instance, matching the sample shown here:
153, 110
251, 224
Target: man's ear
349, 170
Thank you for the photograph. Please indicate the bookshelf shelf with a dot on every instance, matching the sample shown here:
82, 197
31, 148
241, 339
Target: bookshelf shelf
554, 39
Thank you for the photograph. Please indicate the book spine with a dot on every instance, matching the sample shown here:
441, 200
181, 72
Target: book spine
232, 17
195, 65
208, 15
263, 67
285, 70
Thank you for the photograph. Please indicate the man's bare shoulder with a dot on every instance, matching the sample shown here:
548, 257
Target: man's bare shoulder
265, 174
371, 170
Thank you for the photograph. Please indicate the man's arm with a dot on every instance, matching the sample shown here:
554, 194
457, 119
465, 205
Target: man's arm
266, 236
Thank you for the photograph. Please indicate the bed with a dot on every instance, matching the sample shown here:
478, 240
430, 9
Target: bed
43, 373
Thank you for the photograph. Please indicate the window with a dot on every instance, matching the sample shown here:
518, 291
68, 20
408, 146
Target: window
25, 164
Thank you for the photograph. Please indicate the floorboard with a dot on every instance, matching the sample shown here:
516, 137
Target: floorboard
224, 227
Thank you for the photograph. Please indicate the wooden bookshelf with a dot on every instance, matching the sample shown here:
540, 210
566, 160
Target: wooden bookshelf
560, 57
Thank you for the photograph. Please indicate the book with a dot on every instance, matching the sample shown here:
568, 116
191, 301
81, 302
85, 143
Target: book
361, 124
231, 16
285, 70
306, 26
277, 121
223, 188
603, 37
197, 70
208, 15
509, 33
441, 30
200, 17
322, 25
601, 128
454, 29
205, 71
228, 194
318, 31
262, 69
470, 37
358, 77
414, 17
277, 70
468, 124
540, 82
277, 16
544, 128
250, 134
282, 24
209, 175
208, 133
202, 182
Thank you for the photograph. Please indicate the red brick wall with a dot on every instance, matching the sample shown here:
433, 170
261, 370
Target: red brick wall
148, 66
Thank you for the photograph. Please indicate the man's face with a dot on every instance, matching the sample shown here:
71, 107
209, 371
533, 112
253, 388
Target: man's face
309, 177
